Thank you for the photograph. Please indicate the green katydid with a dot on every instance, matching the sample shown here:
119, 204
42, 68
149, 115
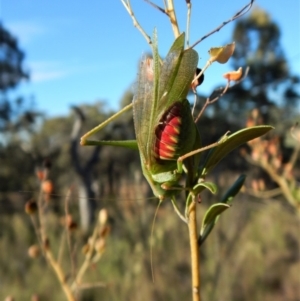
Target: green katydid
166, 133
164, 126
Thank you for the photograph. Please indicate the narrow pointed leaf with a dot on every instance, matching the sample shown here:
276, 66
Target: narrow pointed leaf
230, 143
233, 190
212, 187
211, 215
211, 218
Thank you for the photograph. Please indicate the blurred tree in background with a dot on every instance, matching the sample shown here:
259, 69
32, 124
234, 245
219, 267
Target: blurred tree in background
15, 114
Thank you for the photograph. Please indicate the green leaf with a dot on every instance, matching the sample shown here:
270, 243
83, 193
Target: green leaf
230, 143
210, 219
233, 190
178, 44
211, 214
212, 187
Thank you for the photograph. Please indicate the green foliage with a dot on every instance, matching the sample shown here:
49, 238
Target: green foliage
230, 143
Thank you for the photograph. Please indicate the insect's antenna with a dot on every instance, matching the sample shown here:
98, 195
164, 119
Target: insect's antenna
188, 21
151, 244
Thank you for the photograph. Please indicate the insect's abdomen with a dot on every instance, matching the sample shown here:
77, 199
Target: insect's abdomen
167, 133
172, 132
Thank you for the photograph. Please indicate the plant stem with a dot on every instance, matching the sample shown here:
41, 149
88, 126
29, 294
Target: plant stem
60, 275
195, 258
88, 259
172, 16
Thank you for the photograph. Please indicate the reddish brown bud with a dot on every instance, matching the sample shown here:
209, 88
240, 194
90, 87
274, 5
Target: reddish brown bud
31, 207
40, 174
47, 187
34, 251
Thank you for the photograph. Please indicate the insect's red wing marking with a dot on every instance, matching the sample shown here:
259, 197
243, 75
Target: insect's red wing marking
168, 133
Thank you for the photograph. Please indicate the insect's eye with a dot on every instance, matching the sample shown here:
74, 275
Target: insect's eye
199, 80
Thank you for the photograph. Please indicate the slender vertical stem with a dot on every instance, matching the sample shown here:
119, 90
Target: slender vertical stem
48, 253
188, 21
195, 258
172, 16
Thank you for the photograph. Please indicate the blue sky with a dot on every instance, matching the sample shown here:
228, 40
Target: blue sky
83, 51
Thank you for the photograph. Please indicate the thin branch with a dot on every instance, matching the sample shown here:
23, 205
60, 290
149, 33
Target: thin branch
68, 236
188, 21
240, 13
169, 10
60, 275
296, 151
211, 101
162, 10
223, 92
295, 155
281, 181
172, 16
135, 22
264, 194
87, 261
92, 285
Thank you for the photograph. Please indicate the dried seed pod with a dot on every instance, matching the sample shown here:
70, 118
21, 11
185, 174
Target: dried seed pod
103, 216
34, 251
31, 207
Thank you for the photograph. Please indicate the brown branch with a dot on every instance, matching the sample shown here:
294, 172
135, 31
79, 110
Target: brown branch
211, 101
240, 13
195, 258
135, 22
264, 194
88, 259
92, 285
157, 7
67, 199
280, 180
222, 93
48, 253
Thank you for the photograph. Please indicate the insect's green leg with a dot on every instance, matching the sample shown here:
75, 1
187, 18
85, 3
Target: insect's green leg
99, 127
127, 143
174, 203
199, 150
